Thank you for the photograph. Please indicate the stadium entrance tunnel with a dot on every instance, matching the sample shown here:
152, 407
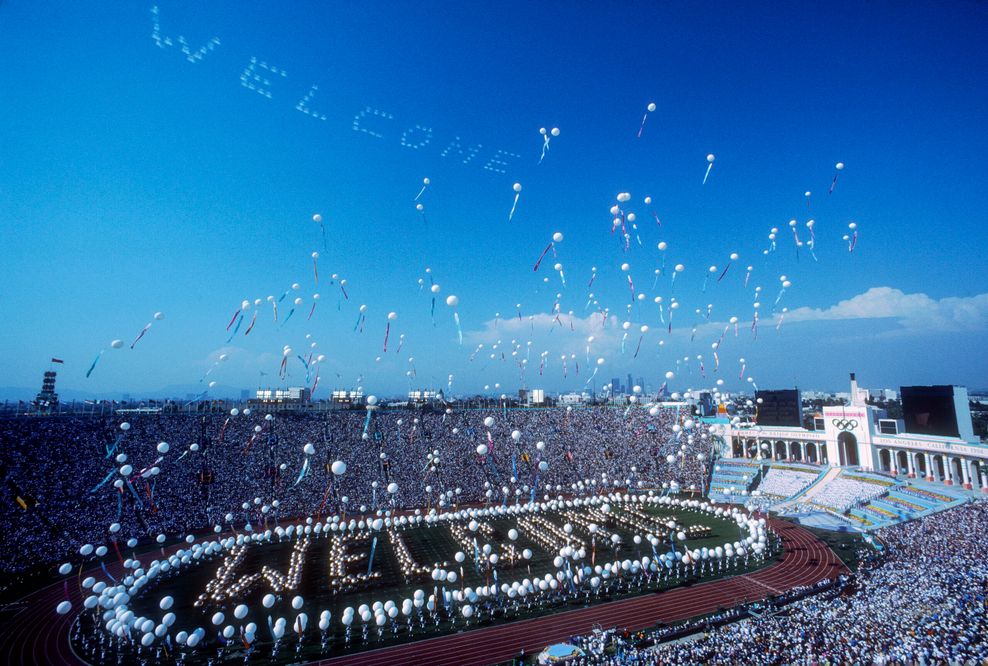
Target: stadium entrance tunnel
847, 448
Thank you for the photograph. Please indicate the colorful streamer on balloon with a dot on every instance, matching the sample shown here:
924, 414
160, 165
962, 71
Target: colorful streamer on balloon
782, 316
648, 109
542, 256
425, 184
236, 328
517, 189
302, 473
317, 218
837, 169
92, 366
710, 166
253, 320
147, 327
734, 257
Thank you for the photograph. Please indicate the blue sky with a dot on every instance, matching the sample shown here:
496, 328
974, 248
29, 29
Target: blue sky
135, 181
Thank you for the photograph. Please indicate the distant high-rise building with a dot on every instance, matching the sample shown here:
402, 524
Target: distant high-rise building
293, 394
616, 385
423, 397
346, 397
627, 387
244, 394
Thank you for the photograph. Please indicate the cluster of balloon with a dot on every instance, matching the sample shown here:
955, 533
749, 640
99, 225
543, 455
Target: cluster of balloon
619, 218
795, 235
785, 284
545, 140
852, 238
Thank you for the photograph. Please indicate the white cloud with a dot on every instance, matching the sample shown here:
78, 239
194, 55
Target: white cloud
569, 335
913, 312
512, 327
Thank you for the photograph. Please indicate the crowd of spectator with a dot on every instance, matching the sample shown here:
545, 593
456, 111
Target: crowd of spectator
924, 601
59, 472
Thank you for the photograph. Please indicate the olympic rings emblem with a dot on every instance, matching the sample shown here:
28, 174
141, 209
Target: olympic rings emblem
845, 424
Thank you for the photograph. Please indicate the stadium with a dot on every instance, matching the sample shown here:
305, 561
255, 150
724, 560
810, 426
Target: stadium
391, 533
462, 334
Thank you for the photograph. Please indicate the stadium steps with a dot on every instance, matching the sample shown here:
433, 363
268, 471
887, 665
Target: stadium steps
730, 474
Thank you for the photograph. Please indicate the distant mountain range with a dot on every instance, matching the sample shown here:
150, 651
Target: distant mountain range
176, 391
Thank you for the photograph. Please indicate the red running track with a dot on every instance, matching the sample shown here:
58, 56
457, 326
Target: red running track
36, 635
